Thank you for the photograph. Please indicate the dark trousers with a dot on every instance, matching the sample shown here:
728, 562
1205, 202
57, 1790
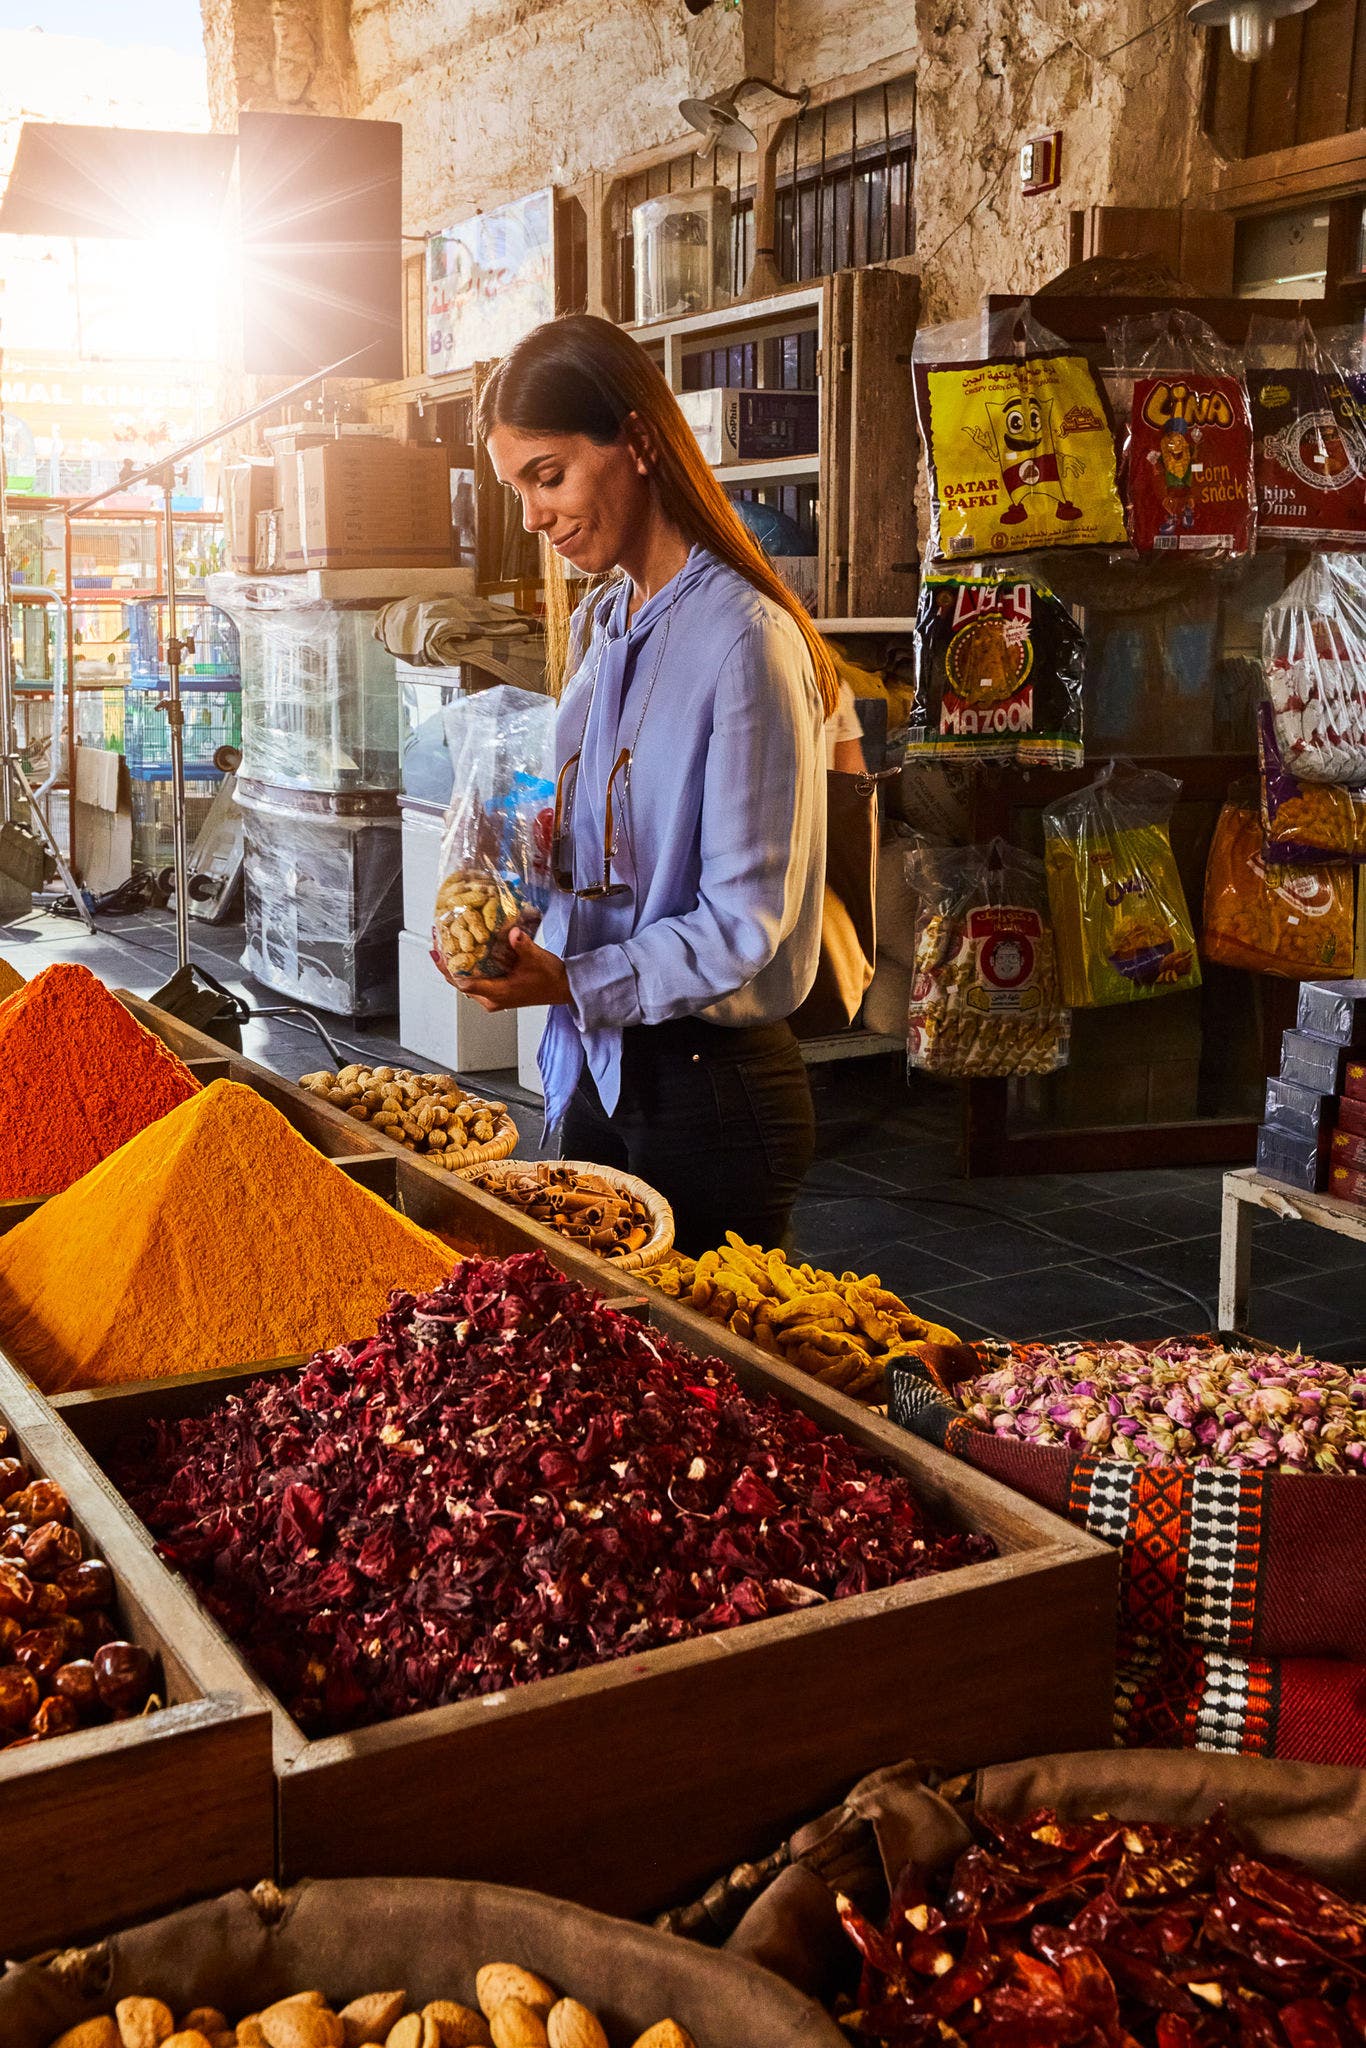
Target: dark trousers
719, 1120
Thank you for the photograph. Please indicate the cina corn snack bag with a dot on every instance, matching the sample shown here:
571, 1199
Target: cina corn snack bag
1120, 918
1188, 466
1294, 921
1018, 443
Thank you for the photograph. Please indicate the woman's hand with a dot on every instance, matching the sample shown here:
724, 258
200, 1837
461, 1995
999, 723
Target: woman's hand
537, 978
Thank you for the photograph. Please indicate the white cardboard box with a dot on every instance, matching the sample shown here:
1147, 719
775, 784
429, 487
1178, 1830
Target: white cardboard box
439, 1024
734, 424
530, 1025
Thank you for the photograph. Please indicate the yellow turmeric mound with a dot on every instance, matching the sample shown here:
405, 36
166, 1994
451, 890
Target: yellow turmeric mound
218, 1236
11, 980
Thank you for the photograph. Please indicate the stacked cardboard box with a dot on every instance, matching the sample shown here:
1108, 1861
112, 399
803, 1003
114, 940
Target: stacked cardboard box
1314, 1133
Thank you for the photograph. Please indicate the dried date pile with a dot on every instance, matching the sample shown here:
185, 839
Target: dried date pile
62, 1664
509, 1480
1049, 1933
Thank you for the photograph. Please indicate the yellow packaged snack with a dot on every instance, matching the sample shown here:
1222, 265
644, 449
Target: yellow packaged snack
1120, 919
1019, 445
1273, 918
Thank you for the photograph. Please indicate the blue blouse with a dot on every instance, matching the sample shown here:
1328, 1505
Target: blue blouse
721, 836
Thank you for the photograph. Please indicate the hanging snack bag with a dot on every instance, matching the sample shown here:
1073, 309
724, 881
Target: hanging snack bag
1314, 670
998, 673
495, 841
1305, 821
1294, 921
1019, 444
984, 993
1307, 415
1188, 465
1119, 911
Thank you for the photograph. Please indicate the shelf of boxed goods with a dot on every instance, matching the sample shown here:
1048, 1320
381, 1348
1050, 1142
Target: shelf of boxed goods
559, 1781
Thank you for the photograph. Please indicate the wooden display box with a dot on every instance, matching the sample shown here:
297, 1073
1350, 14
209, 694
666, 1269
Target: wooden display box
117, 1823
627, 1786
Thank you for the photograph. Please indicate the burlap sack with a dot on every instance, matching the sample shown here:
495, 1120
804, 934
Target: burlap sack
427, 1936
1312, 1812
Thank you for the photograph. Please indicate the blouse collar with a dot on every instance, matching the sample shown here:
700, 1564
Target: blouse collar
619, 623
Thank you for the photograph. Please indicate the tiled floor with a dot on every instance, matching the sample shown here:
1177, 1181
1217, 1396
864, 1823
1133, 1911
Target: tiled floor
1125, 1254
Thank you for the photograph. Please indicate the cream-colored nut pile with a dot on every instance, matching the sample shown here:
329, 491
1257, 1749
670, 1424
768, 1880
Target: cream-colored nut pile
517, 2009
429, 1113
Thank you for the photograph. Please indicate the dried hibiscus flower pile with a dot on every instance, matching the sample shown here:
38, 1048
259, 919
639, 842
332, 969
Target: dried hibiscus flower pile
509, 1480
1097, 1934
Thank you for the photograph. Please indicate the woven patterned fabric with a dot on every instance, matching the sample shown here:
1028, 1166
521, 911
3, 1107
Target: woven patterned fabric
1181, 1696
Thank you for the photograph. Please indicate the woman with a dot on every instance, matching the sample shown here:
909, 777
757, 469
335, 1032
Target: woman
689, 850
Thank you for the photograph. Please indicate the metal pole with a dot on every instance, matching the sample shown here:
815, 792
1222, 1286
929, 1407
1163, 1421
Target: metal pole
175, 718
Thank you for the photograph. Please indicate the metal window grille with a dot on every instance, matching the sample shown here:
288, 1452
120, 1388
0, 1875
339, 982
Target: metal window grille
846, 183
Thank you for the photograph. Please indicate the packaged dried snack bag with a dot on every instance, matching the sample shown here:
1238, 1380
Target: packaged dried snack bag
1018, 442
1307, 416
1314, 670
1305, 821
1188, 451
1295, 921
998, 673
984, 994
495, 841
1119, 911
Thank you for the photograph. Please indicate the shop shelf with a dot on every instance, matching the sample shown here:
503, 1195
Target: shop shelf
629, 1785
115, 1823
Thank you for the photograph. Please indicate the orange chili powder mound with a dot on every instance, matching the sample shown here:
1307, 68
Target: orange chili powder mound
218, 1236
78, 1078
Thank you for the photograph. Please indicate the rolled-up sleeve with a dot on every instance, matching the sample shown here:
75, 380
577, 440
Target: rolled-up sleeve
758, 826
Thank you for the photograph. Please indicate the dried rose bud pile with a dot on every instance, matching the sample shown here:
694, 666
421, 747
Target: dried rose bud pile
1094, 1934
510, 1480
1185, 1402
62, 1663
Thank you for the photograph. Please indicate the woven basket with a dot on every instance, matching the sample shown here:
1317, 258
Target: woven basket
501, 1145
489, 1174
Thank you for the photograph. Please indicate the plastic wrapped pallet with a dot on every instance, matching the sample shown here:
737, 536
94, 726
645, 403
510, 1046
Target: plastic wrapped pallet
321, 703
324, 897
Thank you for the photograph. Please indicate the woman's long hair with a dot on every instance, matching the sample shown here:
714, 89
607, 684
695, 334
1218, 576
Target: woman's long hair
582, 375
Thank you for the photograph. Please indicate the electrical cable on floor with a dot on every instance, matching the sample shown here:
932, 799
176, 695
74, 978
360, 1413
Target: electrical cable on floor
1023, 1223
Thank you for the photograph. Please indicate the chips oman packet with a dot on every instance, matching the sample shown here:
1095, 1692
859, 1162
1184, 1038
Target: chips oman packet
1308, 414
1273, 919
984, 994
1188, 449
1314, 670
1018, 443
1120, 918
495, 841
998, 673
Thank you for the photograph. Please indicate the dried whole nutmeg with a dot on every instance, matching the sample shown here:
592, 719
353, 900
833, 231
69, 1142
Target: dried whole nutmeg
572, 2025
123, 1678
16, 1591
457, 2026
10, 1632
87, 1585
144, 2022
665, 2034
413, 2032
497, 1982
514, 2025
19, 1696
41, 1651
206, 2019
49, 1601
76, 1682
13, 1540
51, 1549
370, 2018
95, 1629
294, 2024
55, 1716
40, 1501
188, 2037
13, 1475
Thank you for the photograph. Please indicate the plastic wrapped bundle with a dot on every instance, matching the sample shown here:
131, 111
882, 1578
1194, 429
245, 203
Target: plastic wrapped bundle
1314, 668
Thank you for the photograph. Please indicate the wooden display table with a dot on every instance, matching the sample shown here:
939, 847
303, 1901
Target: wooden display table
1247, 1190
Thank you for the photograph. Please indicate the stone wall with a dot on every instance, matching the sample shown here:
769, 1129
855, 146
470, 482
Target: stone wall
498, 97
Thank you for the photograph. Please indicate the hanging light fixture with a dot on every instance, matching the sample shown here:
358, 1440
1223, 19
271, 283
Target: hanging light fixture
1251, 24
717, 120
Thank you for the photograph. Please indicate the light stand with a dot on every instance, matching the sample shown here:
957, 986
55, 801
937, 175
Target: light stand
11, 760
162, 474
